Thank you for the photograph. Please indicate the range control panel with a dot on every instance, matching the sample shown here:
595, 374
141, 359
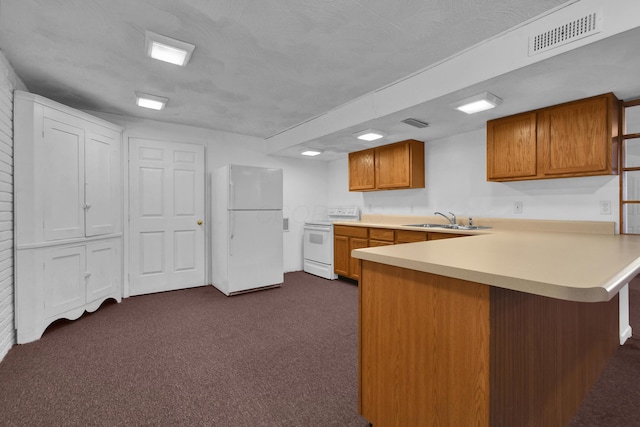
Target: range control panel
350, 213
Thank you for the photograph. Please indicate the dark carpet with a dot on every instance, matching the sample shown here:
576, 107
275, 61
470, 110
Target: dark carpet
614, 401
280, 357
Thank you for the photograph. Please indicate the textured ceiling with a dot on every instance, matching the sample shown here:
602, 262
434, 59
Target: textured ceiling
259, 67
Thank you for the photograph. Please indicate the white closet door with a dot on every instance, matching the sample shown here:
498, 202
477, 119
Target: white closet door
63, 181
166, 190
102, 183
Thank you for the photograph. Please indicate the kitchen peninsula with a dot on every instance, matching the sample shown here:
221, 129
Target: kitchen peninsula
503, 328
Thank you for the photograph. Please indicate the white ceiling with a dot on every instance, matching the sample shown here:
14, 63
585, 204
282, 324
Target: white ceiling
263, 66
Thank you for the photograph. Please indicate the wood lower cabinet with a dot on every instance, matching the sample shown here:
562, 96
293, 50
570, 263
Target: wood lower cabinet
381, 236
578, 138
389, 167
409, 236
346, 239
440, 351
440, 236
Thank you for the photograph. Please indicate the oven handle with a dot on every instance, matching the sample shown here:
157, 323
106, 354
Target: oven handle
325, 228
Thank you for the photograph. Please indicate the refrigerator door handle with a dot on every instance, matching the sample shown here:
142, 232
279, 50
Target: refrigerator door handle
232, 224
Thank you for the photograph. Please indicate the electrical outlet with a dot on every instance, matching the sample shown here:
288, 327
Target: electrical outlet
605, 207
517, 207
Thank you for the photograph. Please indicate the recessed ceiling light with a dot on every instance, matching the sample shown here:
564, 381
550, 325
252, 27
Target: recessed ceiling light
150, 101
475, 104
369, 135
311, 152
167, 49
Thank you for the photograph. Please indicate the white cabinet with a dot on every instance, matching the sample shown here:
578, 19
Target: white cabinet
68, 213
64, 281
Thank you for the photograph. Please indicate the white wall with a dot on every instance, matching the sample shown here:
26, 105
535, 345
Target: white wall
305, 184
8, 83
456, 181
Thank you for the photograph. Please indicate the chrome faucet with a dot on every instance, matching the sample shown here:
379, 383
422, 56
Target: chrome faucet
451, 220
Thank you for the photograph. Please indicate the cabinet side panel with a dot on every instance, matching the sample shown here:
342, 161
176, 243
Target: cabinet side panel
545, 355
424, 348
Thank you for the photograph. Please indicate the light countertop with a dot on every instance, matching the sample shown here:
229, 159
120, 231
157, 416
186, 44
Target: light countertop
571, 266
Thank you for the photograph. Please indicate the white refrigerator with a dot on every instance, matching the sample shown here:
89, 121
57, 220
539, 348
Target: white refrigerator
247, 229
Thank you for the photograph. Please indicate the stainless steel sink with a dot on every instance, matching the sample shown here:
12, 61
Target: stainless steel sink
472, 227
429, 225
449, 226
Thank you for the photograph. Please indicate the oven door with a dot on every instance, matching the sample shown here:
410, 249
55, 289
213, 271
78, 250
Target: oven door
318, 243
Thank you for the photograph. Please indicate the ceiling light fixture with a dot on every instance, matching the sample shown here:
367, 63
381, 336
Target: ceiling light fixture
415, 123
150, 101
475, 104
369, 135
167, 49
311, 153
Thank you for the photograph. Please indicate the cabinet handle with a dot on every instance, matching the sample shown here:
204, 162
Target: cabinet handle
87, 206
87, 275
199, 222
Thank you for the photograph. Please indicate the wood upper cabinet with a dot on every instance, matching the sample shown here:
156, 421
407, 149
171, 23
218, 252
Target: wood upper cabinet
362, 170
577, 138
400, 165
389, 167
511, 147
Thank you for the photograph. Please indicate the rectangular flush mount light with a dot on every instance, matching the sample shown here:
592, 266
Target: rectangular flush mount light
369, 135
150, 101
475, 104
167, 49
311, 153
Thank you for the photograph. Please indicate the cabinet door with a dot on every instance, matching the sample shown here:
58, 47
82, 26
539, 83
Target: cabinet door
62, 181
104, 270
341, 255
511, 147
102, 177
362, 170
354, 266
576, 137
393, 166
64, 275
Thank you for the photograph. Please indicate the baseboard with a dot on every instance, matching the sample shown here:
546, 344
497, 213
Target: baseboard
625, 334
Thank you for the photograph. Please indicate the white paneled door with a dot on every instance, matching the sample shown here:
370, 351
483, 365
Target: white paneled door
166, 205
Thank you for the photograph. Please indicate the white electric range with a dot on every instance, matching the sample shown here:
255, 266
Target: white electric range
318, 241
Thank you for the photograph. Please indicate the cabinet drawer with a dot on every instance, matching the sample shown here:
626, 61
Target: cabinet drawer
374, 243
438, 236
344, 230
407, 236
381, 234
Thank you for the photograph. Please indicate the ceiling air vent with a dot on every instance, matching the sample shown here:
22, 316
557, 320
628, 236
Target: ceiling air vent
566, 33
415, 123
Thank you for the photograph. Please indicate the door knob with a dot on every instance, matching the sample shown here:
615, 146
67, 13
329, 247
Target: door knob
199, 222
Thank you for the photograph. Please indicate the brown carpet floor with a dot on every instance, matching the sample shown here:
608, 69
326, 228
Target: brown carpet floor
614, 401
282, 357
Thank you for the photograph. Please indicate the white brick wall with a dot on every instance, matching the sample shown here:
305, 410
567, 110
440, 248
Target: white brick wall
8, 83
